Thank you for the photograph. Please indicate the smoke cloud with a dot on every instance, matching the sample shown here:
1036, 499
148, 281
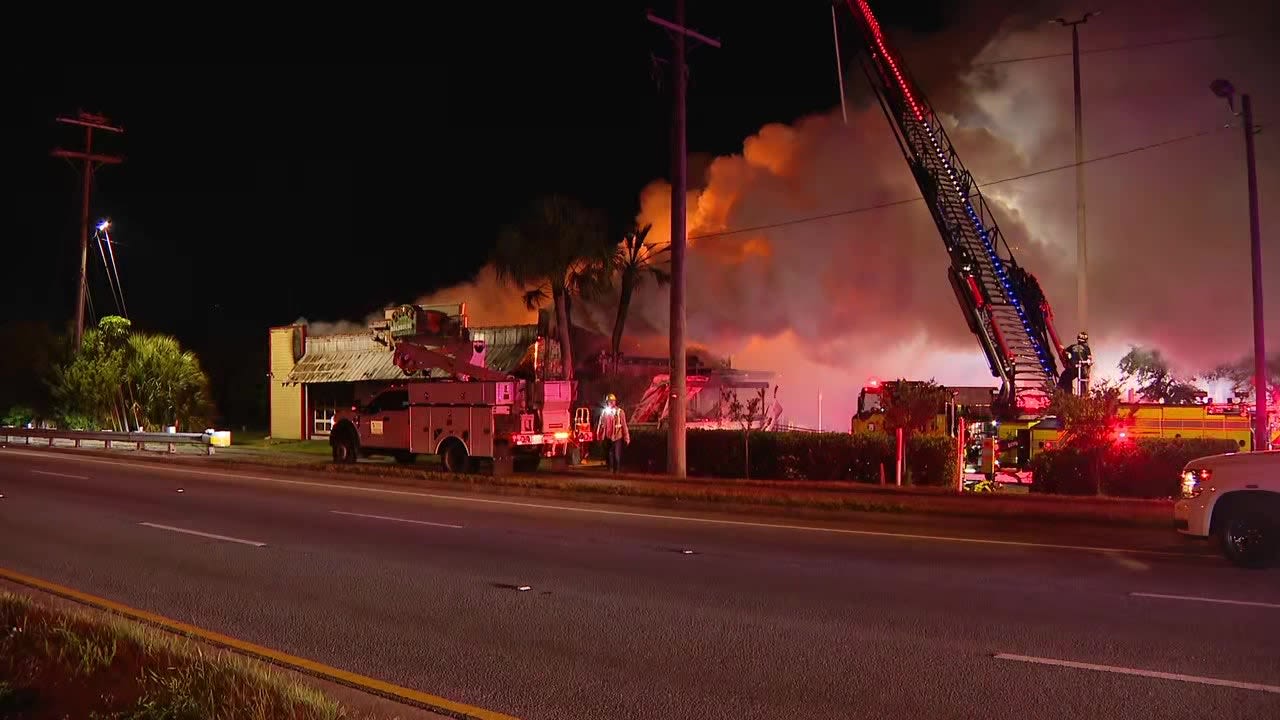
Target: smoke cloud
490, 302
862, 293
339, 327
831, 302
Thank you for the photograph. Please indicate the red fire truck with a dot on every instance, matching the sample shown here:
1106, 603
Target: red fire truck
470, 413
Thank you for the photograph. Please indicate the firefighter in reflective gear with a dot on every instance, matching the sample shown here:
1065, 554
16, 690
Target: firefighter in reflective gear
613, 430
1079, 359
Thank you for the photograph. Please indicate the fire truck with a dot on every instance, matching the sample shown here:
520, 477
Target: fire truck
454, 406
1009, 445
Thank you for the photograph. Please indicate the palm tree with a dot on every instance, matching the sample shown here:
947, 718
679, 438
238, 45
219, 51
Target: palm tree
634, 260
172, 387
556, 250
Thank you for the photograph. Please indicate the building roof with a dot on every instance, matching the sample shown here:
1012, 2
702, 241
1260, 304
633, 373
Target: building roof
359, 358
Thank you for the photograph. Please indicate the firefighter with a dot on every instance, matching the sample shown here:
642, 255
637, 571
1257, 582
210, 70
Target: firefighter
1079, 358
613, 430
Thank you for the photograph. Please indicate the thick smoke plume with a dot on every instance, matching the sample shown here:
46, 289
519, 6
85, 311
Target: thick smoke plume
490, 302
832, 302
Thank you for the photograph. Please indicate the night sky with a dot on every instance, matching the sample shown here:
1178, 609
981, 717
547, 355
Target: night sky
381, 183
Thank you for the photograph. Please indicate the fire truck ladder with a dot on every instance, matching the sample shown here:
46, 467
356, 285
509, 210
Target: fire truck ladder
1019, 341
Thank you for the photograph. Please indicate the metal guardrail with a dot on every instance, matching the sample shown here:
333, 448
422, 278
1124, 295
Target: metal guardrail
108, 438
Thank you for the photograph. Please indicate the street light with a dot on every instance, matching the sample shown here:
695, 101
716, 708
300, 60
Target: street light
1082, 255
1225, 90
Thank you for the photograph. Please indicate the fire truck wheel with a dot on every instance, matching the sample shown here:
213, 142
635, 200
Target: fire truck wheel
344, 448
454, 457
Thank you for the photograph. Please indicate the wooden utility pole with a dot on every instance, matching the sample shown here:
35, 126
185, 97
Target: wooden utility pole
679, 189
89, 122
1261, 426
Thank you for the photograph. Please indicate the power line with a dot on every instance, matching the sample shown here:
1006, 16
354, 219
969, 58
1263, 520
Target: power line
907, 201
1115, 48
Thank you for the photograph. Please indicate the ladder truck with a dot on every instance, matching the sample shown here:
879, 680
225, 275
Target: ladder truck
471, 413
1002, 303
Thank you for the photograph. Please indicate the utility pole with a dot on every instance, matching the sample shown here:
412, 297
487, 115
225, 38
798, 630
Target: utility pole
1261, 432
89, 122
679, 189
1082, 255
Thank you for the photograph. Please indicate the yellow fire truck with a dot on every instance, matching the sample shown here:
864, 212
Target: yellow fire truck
1010, 445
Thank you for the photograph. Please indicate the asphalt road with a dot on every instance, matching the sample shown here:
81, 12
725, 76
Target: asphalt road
801, 619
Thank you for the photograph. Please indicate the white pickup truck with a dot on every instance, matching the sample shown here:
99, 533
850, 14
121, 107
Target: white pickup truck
1236, 498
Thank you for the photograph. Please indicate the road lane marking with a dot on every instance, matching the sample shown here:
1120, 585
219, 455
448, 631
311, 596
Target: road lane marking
1192, 598
1275, 689
396, 519
61, 475
254, 543
159, 467
311, 667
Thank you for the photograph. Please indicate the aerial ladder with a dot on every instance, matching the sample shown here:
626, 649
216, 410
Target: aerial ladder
1002, 302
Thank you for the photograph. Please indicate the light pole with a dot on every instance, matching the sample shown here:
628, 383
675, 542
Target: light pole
1082, 255
1261, 438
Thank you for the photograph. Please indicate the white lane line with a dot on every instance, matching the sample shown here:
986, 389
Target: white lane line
158, 467
254, 543
1275, 689
61, 475
396, 519
1193, 598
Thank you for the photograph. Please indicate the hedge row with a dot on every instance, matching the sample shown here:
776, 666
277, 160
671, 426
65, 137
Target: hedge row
797, 456
1146, 468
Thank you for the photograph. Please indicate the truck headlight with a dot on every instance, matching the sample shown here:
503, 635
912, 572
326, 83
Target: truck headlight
1194, 480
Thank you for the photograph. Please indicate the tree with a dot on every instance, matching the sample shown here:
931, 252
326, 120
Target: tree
746, 415
171, 385
1088, 425
118, 375
1088, 421
634, 260
86, 388
556, 250
1156, 382
912, 405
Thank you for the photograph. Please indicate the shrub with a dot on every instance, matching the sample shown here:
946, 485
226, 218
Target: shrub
17, 416
796, 456
931, 460
1146, 468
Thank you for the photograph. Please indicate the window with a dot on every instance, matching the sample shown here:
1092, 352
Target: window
322, 420
394, 400
323, 401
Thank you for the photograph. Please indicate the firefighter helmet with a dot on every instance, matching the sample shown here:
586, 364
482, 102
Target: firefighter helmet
610, 398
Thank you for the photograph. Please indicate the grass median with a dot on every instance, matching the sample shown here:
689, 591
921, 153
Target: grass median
829, 497
65, 663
